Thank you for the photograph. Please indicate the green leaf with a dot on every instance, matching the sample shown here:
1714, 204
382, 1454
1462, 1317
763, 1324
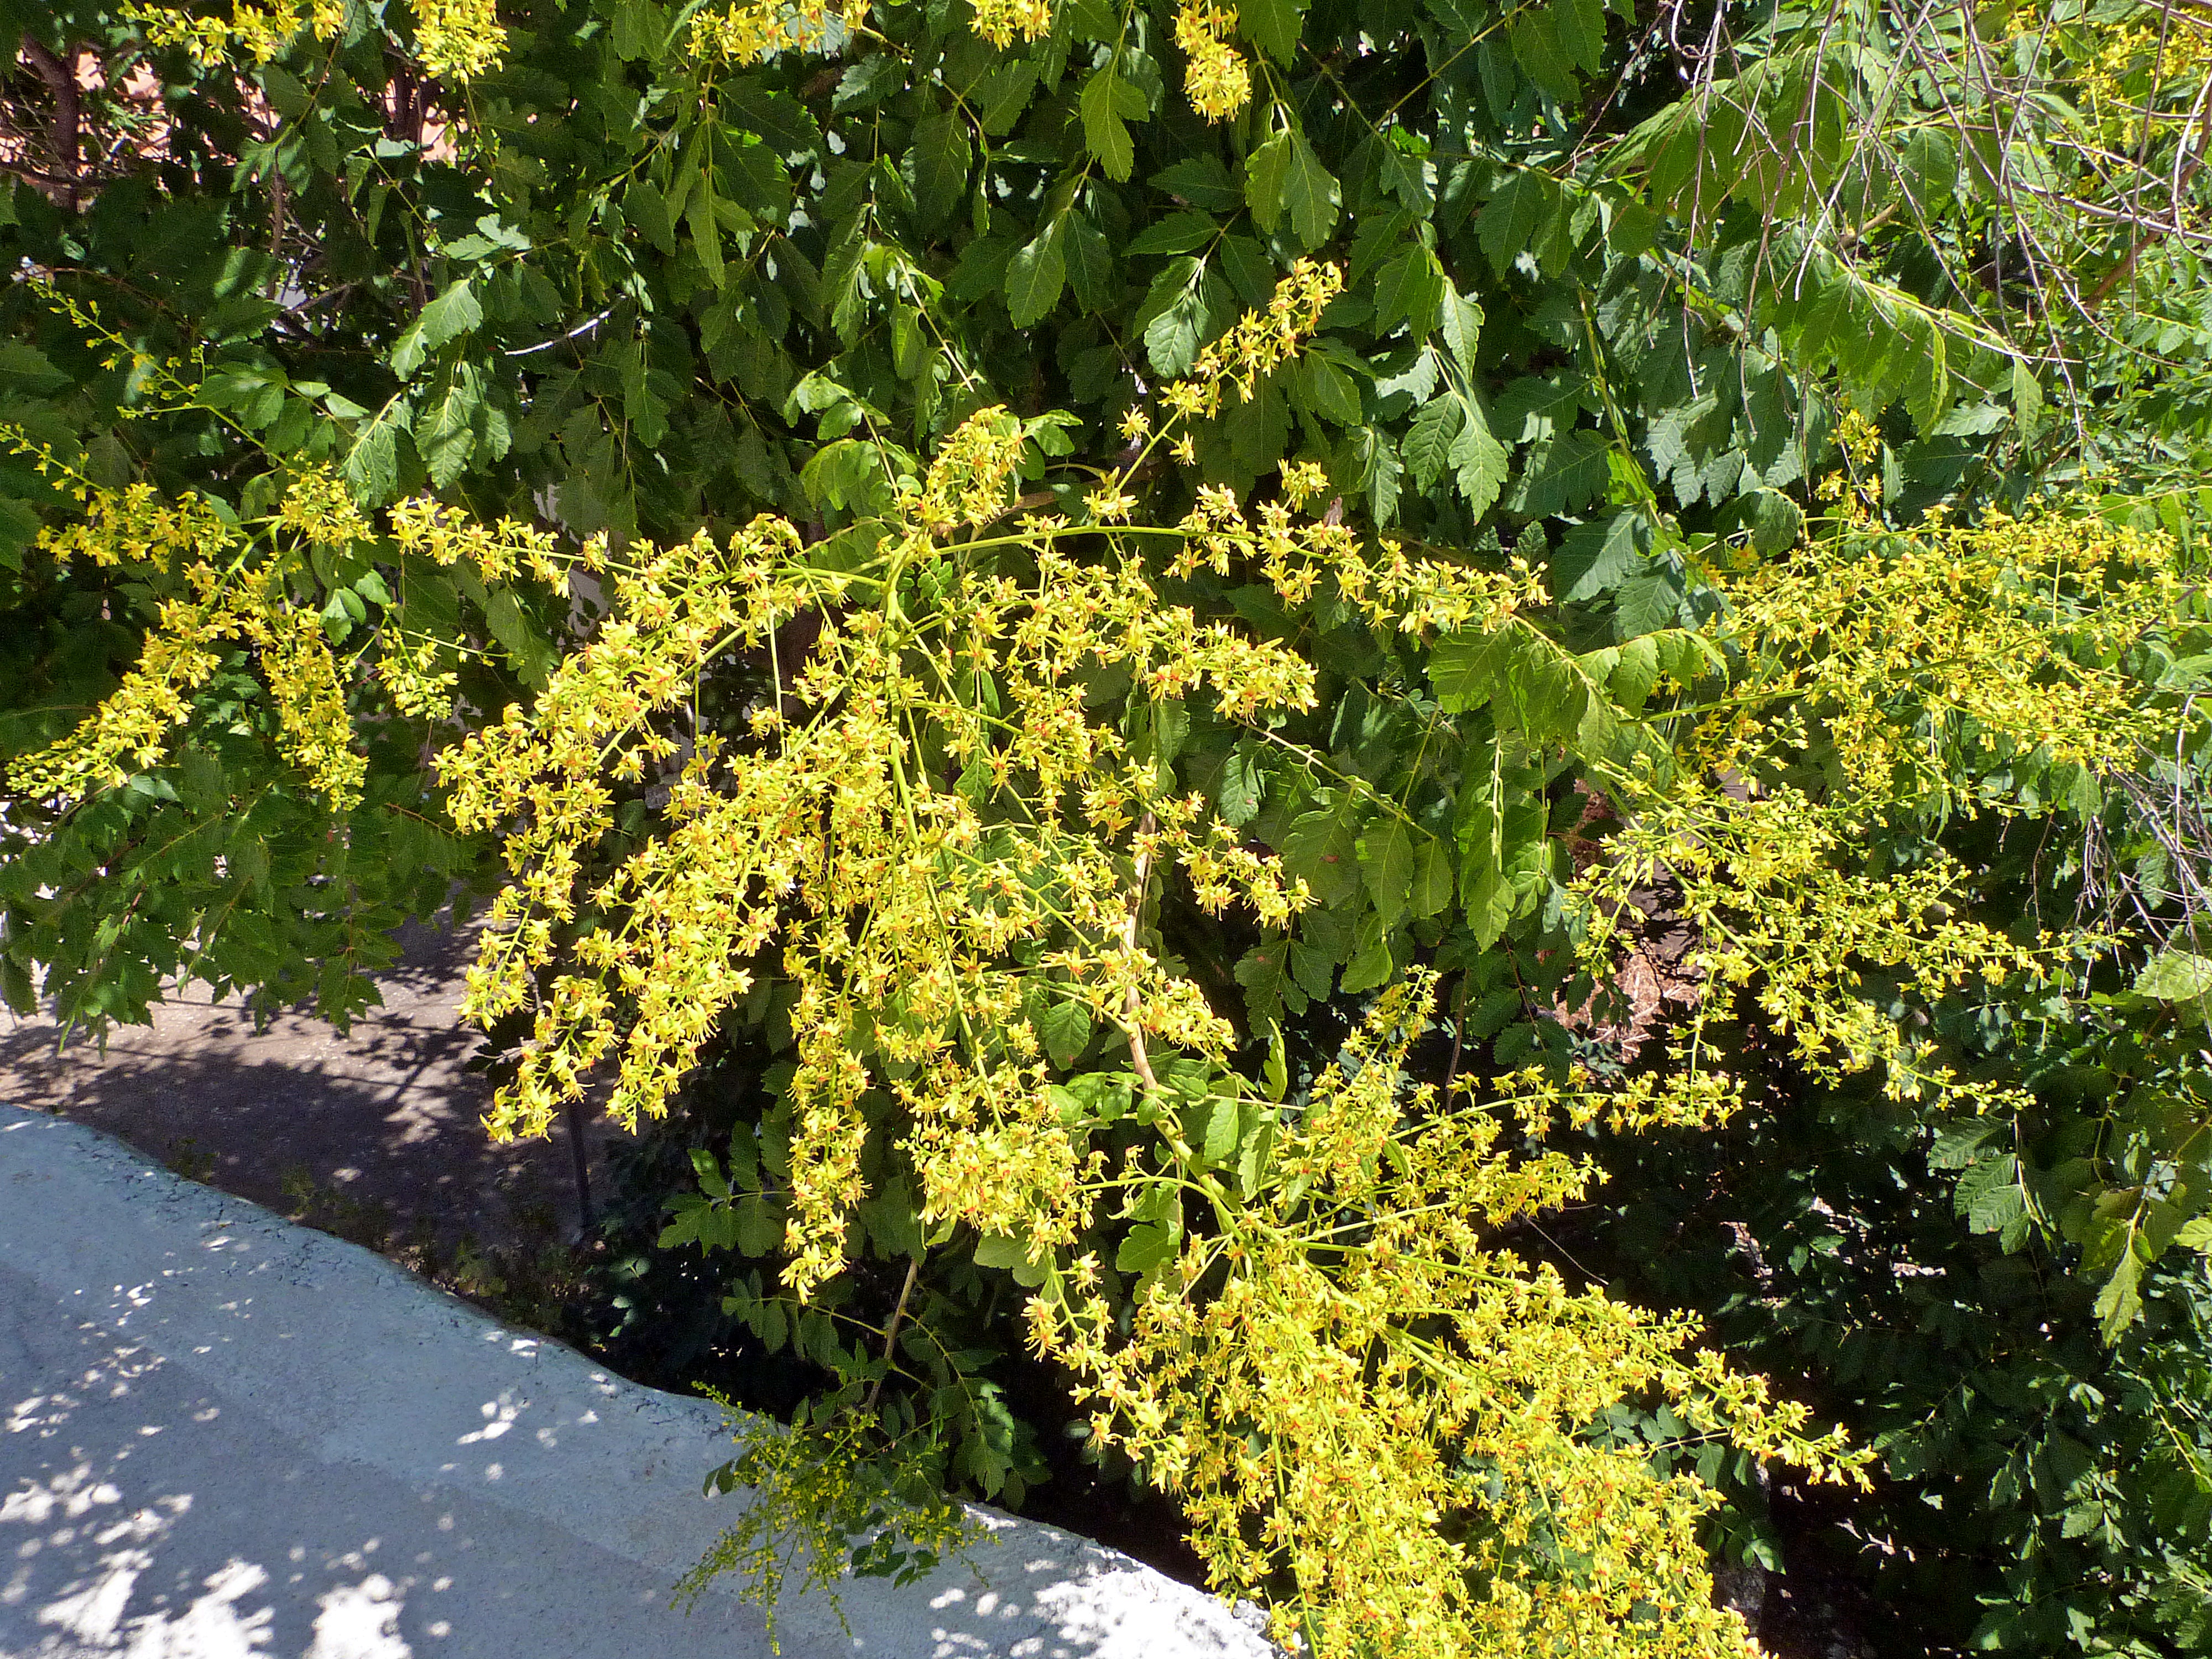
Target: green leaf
644, 206
1776, 521
526, 645
1519, 219
1309, 190
1064, 1027
1224, 1123
1381, 468
451, 314
1263, 971
709, 1173
1319, 385
1504, 852
1178, 232
1264, 172
1371, 965
640, 27
1148, 1245
868, 80
1462, 327
1004, 94
1175, 331
447, 437
1990, 1194
1322, 850
1541, 51
1284, 176
1203, 182
1033, 277
1596, 557
1002, 1251
1433, 880
1645, 604
1430, 439
1089, 262
372, 465
16, 988
1247, 267
1271, 25
1107, 102
2180, 977
935, 167
706, 234
2119, 1303
1581, 26
1388, 861
1243, 785
1409, 289
1480, 462
1564, 471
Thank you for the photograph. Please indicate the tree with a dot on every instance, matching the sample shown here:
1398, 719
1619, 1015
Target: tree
1051, 608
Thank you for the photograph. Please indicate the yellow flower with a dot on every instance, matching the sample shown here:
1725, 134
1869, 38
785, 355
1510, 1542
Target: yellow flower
999, 22
1216, 80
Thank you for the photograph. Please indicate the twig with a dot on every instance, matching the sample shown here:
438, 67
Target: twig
1459, 1036
1133, 1004
890, 1331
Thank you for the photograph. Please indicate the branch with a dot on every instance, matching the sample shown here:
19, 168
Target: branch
890, 1331
61, 78
1133, 1004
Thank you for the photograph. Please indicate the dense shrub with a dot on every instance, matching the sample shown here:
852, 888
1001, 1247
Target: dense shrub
1214, 658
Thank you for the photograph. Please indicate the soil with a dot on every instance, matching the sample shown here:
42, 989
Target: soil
378, 1127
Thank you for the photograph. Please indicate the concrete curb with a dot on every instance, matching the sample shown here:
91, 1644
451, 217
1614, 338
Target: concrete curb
231, 1437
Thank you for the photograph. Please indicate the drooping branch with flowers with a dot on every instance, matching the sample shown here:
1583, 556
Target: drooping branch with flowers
941, 836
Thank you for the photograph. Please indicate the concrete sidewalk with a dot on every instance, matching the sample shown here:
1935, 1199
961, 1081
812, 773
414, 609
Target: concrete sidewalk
228, 1438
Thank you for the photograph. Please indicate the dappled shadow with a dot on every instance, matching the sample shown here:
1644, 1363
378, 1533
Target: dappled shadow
224, 1438
382, 1122
144, 1513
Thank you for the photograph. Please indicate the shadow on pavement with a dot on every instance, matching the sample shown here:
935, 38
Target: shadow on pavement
382, 1122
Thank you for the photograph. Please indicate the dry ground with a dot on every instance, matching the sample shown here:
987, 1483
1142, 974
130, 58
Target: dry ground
381, 1122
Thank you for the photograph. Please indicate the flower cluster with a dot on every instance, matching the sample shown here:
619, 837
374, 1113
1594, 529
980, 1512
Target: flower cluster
903, 898
2137, 60
319, 510
1932, 656
1950, 671
421, 686
118, 527
456, 40
967, 481
132, 726
1318, 1373
1216, 82
1258, 341
810, 1492
497, 552
1391, 589
304, 683
1000, 21
263, 32
944, 846
748, 33
1782, 918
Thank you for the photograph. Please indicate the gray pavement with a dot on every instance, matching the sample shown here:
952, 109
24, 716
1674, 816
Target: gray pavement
223, 1436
